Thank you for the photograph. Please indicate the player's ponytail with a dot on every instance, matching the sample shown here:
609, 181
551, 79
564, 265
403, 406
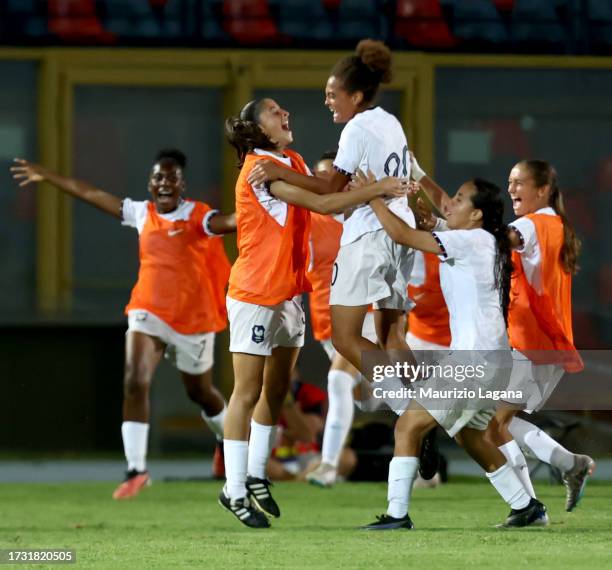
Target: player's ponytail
366, 70
244, 133
488, 199
544, 174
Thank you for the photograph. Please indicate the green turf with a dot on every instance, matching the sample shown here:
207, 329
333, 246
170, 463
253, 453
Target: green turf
180, 525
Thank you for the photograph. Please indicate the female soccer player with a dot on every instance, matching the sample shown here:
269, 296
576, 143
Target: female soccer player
325, 234
370, 267
475, 280
539, 319
264, 307
540, 316
177, 304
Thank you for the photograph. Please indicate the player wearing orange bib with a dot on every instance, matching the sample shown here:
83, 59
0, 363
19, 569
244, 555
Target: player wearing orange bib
540, 315
264, 306
177, 304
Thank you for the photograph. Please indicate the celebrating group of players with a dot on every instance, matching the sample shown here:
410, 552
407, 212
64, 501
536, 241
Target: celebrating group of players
478, 285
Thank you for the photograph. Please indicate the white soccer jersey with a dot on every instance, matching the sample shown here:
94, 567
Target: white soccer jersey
373, 140
468, 284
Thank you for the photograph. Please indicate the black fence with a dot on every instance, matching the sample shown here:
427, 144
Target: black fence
500, 26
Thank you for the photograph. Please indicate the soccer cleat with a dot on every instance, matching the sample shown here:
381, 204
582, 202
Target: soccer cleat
429, 460
534, 514
242, 509
323, 476
387, 522
218, 462
133, 484
575, 480
258, 491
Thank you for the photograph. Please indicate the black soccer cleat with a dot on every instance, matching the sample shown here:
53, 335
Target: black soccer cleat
242, 509
387, 522
429, 460
258, 492
534, 514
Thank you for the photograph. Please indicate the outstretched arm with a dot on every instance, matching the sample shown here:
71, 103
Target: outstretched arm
435, 193
401, 232
338, 201
268, 171
223, 223
28, 172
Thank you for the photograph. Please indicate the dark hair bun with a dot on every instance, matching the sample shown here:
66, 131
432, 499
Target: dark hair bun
172, 154
377, 57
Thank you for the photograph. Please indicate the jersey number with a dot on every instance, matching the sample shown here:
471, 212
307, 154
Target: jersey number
393, 163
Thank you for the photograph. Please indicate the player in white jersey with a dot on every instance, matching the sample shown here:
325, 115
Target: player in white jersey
475, 280
370, 267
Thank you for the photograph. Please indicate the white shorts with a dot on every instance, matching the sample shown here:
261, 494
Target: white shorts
424, 351
258, 329
190, 353
368, 331
372, 270
536, 382
416, 343
457, 411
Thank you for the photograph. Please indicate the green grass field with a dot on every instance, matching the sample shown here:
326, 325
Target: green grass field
180, 525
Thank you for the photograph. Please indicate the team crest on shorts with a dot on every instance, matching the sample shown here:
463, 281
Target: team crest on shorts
258, 334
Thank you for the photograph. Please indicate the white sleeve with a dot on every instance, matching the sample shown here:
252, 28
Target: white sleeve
527, 234
455, 244
206, 223
133, 213
441, 225
351, 149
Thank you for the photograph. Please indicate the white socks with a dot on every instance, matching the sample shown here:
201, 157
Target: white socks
260, 448
242, 457
215, 423
402, 473
235, 453
509, 486
339, 415
512, 452
544, 447
135, 437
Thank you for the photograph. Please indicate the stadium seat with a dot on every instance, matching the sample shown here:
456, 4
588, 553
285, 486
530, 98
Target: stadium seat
25, 17
537, 22
76, 21
249, 21
211, 17
504, 5
421, 24
478, 20
359, 19
134, 19
304, 19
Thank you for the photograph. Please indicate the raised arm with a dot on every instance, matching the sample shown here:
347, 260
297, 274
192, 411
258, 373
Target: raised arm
338, 201
268, 171
401, 232
435, 193
223, 223
28, 172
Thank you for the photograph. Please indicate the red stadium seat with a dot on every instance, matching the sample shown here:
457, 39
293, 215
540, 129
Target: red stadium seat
76, 20
249, 21
504, 5
420, 22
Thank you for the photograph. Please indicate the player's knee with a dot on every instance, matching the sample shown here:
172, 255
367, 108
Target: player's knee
135, 382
